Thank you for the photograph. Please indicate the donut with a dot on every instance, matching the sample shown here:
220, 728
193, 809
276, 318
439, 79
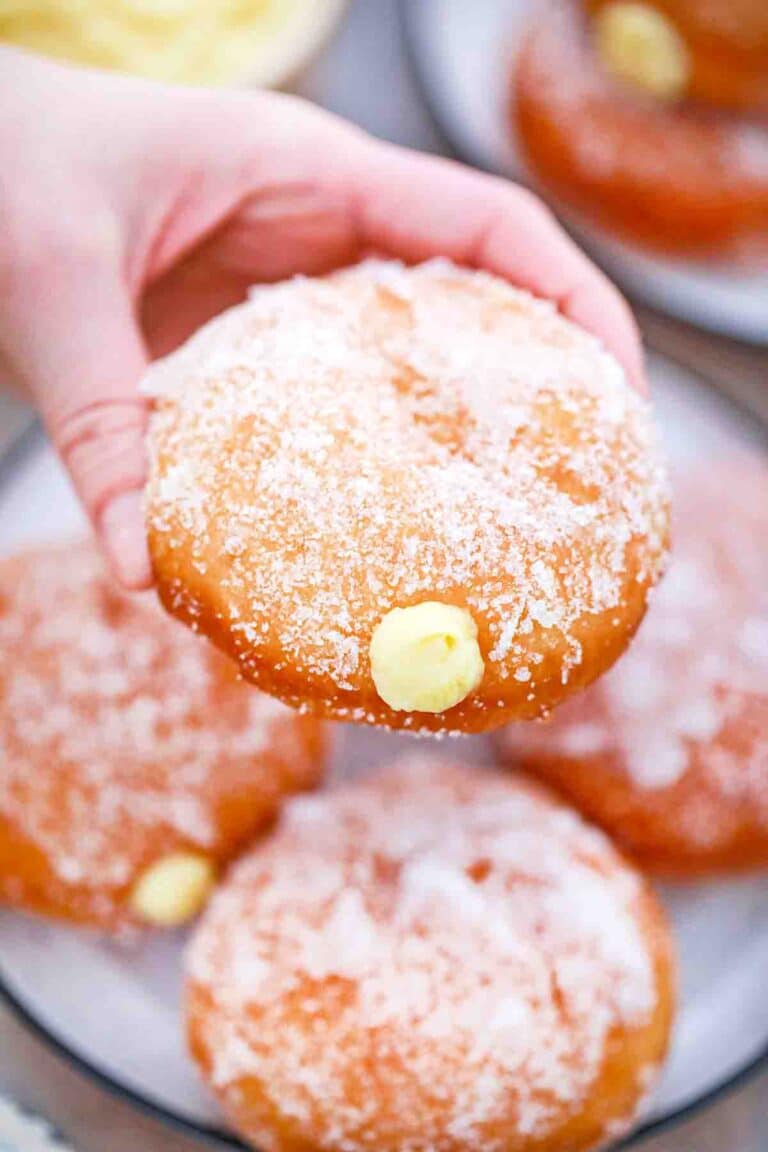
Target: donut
134, 762
416, 498
440, 958
675, 179
704, 50
669, 751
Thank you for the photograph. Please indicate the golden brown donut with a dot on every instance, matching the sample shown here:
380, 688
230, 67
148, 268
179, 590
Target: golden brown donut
338, 450
669, 751
725, 44
134, 763
675, 179
439, 958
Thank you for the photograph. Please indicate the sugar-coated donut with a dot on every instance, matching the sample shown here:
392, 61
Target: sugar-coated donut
669, 751
410, 497
724, 43
438, 958
134, 762
673, 178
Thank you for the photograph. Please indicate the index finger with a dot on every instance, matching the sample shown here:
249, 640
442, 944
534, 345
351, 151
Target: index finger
417, 206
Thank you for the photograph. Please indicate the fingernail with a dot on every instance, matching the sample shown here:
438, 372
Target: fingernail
124, 538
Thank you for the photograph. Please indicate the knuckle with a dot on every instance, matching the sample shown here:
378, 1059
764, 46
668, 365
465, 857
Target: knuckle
102, 446
98, 422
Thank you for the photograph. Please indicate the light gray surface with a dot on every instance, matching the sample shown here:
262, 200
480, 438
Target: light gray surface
362, 76
14, 418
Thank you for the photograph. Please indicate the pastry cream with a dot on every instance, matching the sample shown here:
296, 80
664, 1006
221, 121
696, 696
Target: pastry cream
638, 44
187, 41
426, 658
173, 890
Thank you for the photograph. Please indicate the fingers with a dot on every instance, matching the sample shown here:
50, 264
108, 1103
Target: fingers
76, 344
416, 207
122, 533
101, 443
314, 190
274, 234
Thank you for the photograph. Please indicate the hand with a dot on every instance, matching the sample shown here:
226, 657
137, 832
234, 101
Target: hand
132, 212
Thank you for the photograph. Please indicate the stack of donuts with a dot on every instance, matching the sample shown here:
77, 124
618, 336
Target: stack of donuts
650, 119
360, 520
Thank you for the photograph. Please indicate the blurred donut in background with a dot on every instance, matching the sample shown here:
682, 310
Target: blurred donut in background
669, 176
717, 49
438, 958
134, 762
669, 750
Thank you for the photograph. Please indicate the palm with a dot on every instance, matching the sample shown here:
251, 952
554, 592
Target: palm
271, 235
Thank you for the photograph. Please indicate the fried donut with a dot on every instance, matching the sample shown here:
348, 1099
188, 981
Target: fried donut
409, 497
723, 45
669, 752
675, 179
438, 958
134, 762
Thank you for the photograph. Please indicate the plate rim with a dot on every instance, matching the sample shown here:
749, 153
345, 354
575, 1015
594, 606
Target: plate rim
27, 1018
461, 147
31, 439
212, 1134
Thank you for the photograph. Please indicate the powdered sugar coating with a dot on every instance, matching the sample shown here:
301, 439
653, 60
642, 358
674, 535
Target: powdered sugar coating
335, 448
681, 721
122, 736
432, 959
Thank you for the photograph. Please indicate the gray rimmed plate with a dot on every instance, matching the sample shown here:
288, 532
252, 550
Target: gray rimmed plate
113, 1010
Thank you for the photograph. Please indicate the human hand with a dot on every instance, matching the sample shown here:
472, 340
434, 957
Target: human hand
133, 212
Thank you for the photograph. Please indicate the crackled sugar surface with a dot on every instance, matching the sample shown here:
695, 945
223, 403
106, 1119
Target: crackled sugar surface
114, 719
689, 692
438, 943
339, 447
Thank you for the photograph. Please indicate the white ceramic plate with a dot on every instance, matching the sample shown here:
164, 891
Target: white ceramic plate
463, 56
114, 1009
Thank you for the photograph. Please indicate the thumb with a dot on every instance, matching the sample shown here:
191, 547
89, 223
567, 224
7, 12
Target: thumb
80, 353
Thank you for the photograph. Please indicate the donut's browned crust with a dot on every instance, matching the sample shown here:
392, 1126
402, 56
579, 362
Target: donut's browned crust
669, 751
442, 958
675, 179
728, 45
339, 447
124, 739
